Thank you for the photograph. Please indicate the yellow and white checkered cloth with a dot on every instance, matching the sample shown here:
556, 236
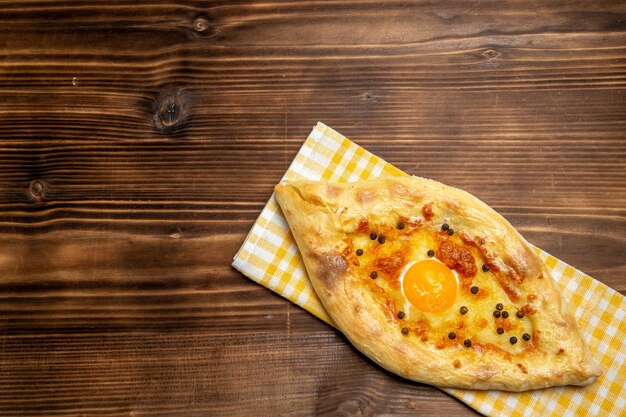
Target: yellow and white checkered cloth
270, 257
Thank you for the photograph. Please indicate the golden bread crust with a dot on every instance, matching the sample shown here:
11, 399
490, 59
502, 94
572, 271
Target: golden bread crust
331, 221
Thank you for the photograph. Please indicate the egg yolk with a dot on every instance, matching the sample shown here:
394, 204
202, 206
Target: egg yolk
430, 286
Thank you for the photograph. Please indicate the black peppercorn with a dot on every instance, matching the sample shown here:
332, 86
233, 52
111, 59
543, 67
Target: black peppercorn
505, 314
474, 289
452, 336
500, 330
450, 232
526, 337
430, 253
485, 267
499, 306
520, 314
445, 226
400, 226
374, 275
513, 340
381, 240
405, 330
359, 252
496, 314
464, 310
467, 343
373, 236
400, 315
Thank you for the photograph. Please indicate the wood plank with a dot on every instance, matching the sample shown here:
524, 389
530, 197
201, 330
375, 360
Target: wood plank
140, 140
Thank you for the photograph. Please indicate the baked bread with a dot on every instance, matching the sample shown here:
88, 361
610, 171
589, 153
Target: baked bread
434, 285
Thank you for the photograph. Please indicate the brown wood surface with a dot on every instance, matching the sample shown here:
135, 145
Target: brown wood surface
139, 140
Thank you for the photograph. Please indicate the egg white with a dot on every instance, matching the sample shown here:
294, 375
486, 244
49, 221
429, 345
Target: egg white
407, 303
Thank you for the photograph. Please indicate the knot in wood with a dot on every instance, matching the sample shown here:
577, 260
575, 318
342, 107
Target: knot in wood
37, 189
491, 54
170, 109
200, 24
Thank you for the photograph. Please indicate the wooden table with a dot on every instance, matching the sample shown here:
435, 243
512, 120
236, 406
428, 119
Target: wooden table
140, 140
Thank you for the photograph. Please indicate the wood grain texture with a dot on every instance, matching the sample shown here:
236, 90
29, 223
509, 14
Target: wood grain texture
139, 141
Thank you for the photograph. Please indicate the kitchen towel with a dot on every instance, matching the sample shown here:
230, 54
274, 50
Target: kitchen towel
269, 256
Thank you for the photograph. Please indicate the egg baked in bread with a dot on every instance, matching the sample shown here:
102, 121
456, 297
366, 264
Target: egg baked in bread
434, 285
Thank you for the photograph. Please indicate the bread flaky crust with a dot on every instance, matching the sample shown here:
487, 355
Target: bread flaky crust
320, 216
